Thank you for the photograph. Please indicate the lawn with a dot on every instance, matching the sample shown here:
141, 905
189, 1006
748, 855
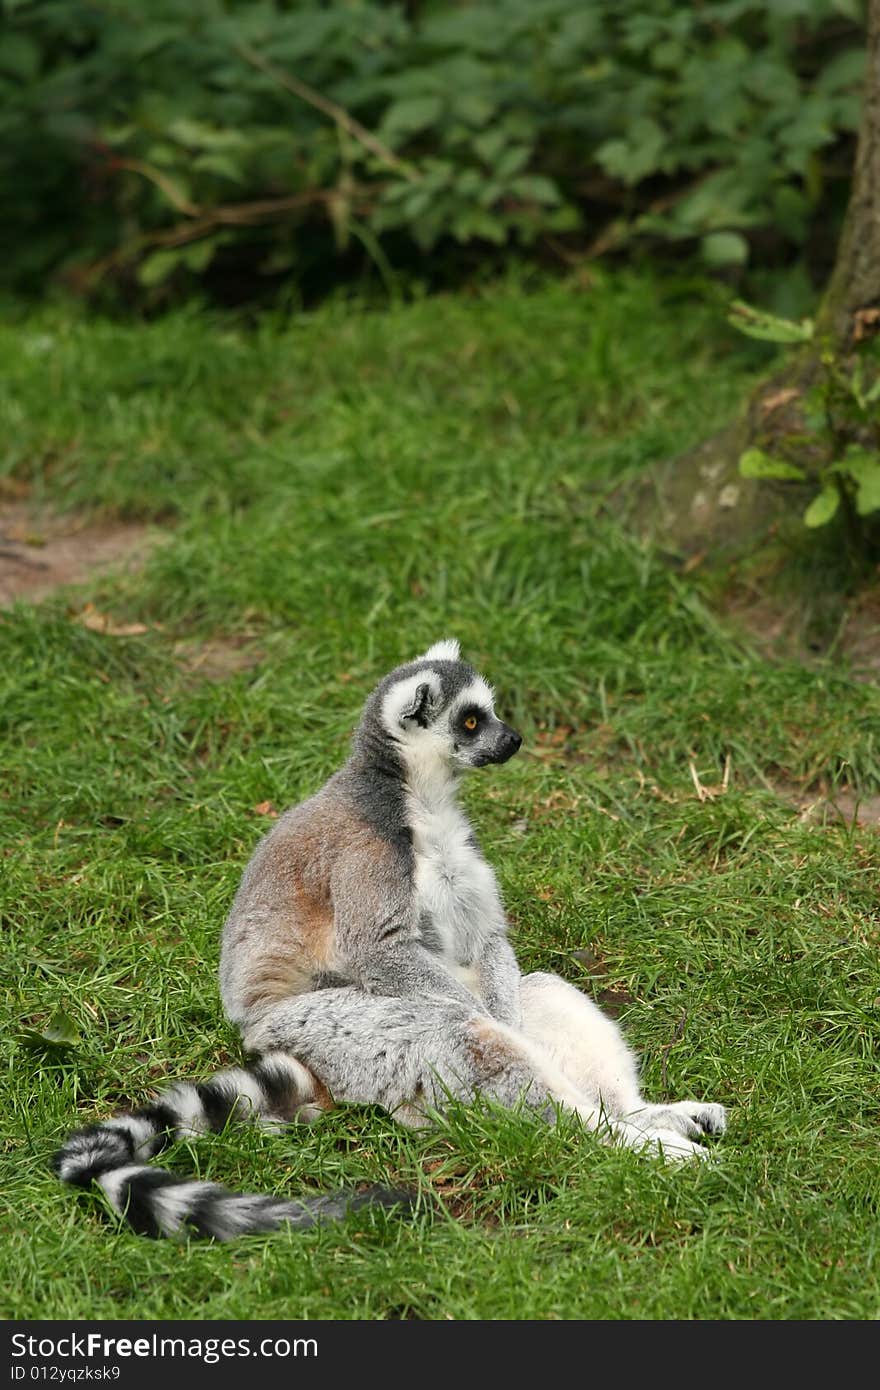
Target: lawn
333, 492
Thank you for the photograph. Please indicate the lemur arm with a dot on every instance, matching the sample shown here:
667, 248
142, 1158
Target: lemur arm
377, 934
403, 967
500, 980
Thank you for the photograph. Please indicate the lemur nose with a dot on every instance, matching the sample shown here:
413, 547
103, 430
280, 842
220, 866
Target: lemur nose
513, 741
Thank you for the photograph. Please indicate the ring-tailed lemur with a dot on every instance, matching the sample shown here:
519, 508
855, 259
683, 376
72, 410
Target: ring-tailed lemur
366, 959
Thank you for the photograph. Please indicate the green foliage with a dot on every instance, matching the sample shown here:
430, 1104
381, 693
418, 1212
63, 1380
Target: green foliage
823, 506
754, 463
770, 328
840, 450
279, 134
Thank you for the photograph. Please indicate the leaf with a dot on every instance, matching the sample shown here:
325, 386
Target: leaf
199, 135
411, 114
96, 621
160, 152
158, 267
636, 156
536, 188
856, 463
473, 107
511, 161
845, 69
60, 1031
823, 506
265, 808
724, 248
223, 165
754, 463
868, 494
564, 219
199, 254
490, 145
475, 222
757, 324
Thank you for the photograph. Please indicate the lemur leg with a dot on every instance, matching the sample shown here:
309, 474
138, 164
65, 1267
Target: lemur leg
590, 1048
404, 1054
398, 1052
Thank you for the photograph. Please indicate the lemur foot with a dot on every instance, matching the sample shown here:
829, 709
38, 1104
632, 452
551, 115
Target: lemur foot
669, 1144
691, 1118
671, 1130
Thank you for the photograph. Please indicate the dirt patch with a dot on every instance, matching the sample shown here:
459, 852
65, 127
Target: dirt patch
218, 657
860, 639
824, 807
613, 1001
812, 629
41, 552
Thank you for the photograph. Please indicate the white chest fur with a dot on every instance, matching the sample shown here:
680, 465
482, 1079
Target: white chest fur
456, 892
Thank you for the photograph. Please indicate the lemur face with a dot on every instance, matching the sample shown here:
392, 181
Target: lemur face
439, 710
478, 736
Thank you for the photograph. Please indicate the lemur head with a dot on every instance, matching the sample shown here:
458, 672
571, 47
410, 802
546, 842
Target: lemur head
439, 715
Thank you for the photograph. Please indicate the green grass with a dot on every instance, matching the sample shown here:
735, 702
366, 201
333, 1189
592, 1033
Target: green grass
347, 487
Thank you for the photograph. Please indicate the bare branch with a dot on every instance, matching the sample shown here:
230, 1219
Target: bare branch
162, 182
343, 119
227, 215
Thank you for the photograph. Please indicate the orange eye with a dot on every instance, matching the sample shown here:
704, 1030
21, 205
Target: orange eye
470, 723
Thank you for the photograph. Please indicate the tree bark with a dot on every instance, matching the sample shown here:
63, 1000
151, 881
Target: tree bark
855, 281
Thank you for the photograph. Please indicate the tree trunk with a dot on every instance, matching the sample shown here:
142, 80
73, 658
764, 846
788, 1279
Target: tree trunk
855, 281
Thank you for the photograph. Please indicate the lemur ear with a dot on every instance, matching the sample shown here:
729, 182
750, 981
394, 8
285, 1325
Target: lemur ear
419, 706
447, 650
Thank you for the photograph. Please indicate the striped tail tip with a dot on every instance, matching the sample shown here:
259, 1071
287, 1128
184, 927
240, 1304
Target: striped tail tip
156, 1203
